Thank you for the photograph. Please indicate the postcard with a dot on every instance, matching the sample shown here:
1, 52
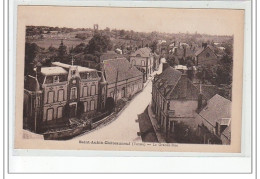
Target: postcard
129, 79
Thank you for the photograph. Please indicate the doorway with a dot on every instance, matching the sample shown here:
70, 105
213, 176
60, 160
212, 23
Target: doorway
73, 110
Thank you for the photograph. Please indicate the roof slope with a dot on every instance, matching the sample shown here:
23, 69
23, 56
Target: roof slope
143, 52
202, 49
124, 68
217, 108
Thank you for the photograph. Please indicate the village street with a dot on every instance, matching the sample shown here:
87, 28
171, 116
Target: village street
125, 127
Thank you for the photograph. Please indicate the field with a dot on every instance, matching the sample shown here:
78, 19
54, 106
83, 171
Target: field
55, 39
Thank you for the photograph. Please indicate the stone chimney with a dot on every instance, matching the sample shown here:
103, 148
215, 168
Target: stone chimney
165, 66
204, 45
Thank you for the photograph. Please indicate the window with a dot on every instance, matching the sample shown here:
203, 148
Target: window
62, 78
92, 105
49, 79
61, 95
143, 63
50, 97
55, 79
73, 93
85, 106
59, 112
93, 90
49, 114
207, 55
84, 75
73, 72
85, 91
112, 94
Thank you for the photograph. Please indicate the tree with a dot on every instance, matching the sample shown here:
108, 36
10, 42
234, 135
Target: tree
154, 46
172, 60
31, 51
122, 33
62, 52
99, 43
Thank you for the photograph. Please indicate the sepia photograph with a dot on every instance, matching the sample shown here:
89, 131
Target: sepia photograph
145, 79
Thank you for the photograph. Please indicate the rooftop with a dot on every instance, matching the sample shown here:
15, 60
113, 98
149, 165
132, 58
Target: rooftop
217, 108
53, 71
123, 67
143, 52
67, 66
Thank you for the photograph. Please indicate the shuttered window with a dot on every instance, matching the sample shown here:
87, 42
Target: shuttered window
50, 114
50, 96
59, 112
85, 91
93, 90
61, 95
92, 105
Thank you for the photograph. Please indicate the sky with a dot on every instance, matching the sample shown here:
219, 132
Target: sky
206, 21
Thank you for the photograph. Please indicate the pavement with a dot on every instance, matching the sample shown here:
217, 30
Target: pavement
125, 127
159, 134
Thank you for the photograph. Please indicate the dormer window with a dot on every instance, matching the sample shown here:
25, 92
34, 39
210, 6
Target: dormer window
55, 79
73, 72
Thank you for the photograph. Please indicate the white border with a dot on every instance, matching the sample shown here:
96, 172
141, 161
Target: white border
238, 163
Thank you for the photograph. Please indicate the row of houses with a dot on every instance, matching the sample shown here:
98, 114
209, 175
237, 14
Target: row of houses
55, 94
177, 100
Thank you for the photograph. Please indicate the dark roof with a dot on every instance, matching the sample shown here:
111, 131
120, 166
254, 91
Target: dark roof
124, 68
208, 90
175, 85
143, 52
200, 50
217, 108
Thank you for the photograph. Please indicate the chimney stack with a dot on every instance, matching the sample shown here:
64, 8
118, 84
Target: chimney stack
165, 66
204, 45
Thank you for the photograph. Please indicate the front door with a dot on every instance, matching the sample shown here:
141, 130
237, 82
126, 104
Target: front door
73, 109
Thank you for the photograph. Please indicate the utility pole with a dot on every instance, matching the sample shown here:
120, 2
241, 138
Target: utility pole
115, 92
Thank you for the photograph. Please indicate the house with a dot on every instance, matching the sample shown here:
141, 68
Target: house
60, 92
123, 79
214, 121
182, 54
205, 56
143, 60
174, 100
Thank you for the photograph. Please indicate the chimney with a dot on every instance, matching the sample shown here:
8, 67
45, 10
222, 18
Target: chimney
204, 45
184, 51
165, 66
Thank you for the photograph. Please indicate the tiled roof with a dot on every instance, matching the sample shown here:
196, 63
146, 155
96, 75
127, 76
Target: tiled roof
124, 68
143, 52
199, 51
217, 107
168, 79
208, 90
107, 56
175, 85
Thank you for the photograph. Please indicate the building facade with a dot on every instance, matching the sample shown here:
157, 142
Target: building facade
143, 60
175, 99
123, 79
214, 121
61, 92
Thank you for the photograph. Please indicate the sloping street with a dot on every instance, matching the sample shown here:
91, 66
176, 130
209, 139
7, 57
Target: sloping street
125, 127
